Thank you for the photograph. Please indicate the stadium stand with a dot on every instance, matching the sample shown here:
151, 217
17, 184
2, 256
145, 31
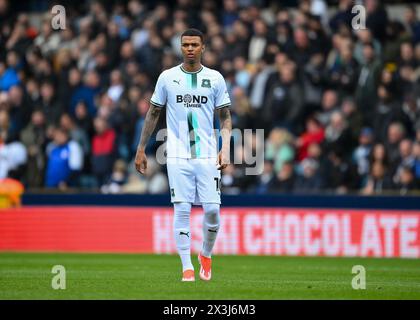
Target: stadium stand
340, 107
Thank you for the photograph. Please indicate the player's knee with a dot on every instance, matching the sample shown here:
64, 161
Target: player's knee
212, 213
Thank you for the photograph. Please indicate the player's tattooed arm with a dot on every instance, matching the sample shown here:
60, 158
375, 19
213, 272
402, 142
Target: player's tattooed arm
226, 129
149, 126
152, 117
226, 126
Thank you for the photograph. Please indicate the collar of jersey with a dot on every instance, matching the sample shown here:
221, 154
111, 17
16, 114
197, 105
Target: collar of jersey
183, 70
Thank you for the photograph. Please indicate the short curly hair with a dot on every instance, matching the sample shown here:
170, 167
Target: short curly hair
193, 33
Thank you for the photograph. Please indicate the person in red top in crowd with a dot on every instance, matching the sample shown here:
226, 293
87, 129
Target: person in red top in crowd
314, 134
103, 150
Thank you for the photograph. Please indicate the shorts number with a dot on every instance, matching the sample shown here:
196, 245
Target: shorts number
217, 183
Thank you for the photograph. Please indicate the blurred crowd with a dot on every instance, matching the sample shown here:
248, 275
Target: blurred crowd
340, 107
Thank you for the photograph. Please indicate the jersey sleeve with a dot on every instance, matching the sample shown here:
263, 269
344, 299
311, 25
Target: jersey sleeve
222, 95
159, 96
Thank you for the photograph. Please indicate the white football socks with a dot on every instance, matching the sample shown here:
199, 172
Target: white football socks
211, 224
182, 233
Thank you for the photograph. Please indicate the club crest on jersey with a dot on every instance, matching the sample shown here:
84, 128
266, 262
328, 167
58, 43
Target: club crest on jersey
191, 101
205, 83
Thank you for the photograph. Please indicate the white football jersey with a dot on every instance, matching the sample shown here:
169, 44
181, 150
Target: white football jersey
190, 99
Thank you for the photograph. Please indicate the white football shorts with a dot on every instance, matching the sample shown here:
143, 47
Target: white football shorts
196, 181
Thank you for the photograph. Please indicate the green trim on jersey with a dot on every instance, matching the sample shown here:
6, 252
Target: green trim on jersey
223, 105
189, 72
194, 80
156, 104
194, 137
191, 80
191, 77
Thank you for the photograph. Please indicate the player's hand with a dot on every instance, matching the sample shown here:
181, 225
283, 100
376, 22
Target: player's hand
141, 162
222, 160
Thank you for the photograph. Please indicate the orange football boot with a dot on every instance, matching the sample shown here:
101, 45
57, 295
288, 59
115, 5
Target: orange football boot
205, 267
188, 275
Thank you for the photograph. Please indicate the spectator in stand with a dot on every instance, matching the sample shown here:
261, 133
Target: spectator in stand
385, 110
258, 41
284, 181
406, 181
411, 112
7, 130
412, 23
330, 104
313, 82
342, 176
379, 154
389, 78
8, 77
416, 164
365, 94
86, 93
83, 119
32, 92
317, 35
118, 178
284, 32
316, 153
48, 40
264, 179
377, 18
396, 133
51, 107
20, 110
76, 134
152, 53
242, 75
69, 86
343, 16
343, 74
103, 150
301, 50
353, 116
407, 79
395, 34
417, 134
310, 180
242, 114
13, 155
406, 158
378, 180
65, 160
279, 148
284, 103
314, 134
338, 135
365, 37
20, 37
362, 153
407, 54
34, 137
229, 13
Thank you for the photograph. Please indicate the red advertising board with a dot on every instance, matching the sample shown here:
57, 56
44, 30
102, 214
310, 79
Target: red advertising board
247, 231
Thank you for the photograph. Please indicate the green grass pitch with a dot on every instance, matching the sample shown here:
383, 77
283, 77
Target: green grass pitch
132, 276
